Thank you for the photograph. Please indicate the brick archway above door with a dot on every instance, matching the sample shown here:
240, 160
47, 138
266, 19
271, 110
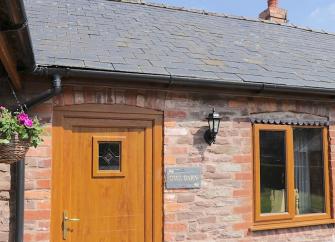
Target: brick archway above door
107, 171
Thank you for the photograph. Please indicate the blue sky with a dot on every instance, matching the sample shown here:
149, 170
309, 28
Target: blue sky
317, 14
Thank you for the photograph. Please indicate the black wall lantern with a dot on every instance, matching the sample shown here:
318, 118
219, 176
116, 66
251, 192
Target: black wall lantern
214, 125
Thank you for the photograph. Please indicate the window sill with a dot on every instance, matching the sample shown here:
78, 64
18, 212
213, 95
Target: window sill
284, 225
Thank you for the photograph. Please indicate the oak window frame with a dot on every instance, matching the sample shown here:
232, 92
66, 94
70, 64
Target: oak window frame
289, 218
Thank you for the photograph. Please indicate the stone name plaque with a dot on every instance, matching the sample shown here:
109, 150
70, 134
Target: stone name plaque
183, 178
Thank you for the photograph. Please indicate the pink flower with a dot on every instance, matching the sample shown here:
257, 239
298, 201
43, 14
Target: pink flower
24, 119
28, 123
2, 108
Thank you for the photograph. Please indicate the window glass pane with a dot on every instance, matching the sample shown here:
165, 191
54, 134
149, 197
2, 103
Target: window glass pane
309, 170
273, 171
109, 155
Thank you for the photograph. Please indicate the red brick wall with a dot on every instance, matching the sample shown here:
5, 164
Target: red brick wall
222, 209
38, 193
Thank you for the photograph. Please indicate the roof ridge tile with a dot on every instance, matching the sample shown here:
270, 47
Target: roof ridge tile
217, 14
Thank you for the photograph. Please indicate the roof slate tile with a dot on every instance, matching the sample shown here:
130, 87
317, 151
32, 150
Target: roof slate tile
117, 36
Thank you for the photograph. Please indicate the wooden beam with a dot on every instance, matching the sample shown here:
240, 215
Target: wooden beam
9, 63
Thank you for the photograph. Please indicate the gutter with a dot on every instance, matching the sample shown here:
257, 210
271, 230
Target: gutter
178, 81
46, 95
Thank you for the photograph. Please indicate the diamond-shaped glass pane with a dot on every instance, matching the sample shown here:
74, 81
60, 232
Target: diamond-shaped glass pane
109, 156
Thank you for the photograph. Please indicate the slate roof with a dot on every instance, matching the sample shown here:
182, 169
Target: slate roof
116, 36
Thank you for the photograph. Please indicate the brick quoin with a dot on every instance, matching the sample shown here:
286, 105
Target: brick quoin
221, 210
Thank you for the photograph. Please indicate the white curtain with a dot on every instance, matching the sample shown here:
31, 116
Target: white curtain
302, 171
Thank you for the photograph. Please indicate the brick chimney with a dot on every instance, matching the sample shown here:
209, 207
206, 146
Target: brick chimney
274, 13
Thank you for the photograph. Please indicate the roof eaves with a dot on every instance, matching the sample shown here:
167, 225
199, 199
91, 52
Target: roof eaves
177, 80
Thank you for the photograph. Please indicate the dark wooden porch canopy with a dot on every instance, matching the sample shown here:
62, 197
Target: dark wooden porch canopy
16, 54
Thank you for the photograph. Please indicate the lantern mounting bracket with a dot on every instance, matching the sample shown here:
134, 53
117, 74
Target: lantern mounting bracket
209, 137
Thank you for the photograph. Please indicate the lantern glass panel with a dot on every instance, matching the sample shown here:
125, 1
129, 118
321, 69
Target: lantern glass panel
216, 125
211, 124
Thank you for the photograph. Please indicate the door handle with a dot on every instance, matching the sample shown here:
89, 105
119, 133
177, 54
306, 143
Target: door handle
72, 219
66, 219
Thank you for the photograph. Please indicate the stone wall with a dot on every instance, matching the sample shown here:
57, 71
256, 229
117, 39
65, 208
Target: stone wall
222, 209
7, 202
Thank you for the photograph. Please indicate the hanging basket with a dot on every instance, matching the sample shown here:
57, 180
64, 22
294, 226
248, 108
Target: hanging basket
13, 151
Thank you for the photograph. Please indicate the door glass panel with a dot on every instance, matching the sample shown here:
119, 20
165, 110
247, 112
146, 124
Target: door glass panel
109, 155
309, 170
273, 172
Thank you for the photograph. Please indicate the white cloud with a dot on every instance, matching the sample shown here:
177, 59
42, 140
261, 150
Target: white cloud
323, 14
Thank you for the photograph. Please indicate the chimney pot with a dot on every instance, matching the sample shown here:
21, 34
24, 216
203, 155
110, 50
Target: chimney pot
274, 13
273, 3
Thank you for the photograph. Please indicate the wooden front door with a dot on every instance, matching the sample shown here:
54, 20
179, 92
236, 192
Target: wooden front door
104, 167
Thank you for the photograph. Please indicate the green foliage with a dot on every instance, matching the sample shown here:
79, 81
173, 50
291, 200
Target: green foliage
20, 124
